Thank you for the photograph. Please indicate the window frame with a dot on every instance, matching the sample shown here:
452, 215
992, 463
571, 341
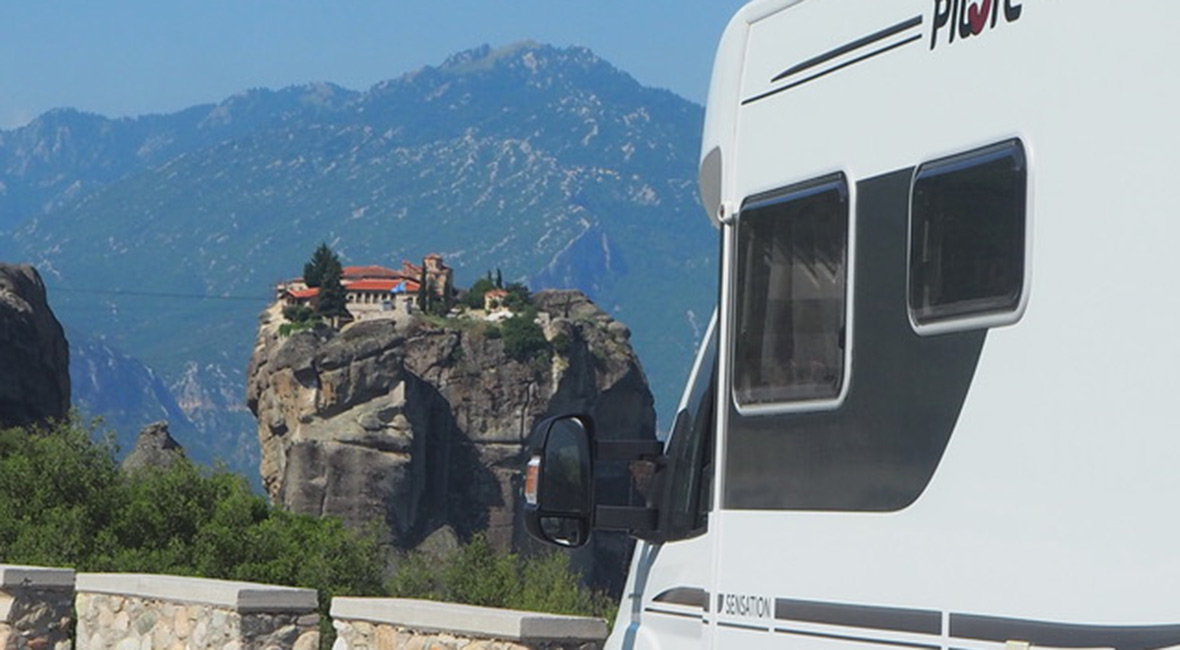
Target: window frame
688, 479
985, 316
784, 194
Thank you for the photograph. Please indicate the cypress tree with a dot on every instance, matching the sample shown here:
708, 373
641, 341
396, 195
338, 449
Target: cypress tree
332, 301
423, 291
324, 271
323, 260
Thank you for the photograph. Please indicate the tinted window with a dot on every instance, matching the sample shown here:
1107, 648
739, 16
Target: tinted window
690, 452
791, 285
967, 234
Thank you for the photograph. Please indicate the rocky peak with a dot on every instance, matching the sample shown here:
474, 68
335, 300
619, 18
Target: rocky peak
34, 355
155, 447
416, 424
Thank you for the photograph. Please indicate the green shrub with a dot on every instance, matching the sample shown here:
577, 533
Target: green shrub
519, 298
299, 313
476, 574
58, 495
299, 318
474, 296
561, 343
287, 329
523, 338
63, 502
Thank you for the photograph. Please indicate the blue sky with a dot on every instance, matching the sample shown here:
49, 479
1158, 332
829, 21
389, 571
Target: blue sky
130, 57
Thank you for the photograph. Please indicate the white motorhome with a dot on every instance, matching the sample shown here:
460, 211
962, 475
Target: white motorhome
936, 409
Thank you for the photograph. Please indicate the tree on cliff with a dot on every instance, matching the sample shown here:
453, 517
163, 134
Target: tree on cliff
473, 299
324, 271
519, 298
322, 264
331, 302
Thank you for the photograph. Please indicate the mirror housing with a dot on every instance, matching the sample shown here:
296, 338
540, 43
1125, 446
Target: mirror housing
559, 493
559, 482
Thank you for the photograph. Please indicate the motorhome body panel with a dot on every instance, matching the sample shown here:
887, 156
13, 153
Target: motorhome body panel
1047, 475
1040, 503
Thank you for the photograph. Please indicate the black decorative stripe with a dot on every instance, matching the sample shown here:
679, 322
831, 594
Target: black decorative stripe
656, 610
687, 596
859, 59
842, 637
849, 47
1064, 635
743, 626
879, 450
918, 621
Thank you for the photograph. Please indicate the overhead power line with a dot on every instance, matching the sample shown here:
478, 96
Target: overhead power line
159, 294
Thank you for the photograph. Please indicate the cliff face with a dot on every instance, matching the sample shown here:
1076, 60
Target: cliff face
416, 424
34, 355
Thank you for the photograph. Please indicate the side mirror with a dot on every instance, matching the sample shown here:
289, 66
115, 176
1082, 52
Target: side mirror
559, 487
559, 483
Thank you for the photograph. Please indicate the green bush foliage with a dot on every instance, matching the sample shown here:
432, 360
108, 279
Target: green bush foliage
561, 343
476, 574
63, 502
473, 299
523, 338
58, 494
519, 298
299, 318
287, 329
299, 313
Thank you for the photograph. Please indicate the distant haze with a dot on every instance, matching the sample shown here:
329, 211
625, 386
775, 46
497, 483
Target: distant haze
161, 237
137, 57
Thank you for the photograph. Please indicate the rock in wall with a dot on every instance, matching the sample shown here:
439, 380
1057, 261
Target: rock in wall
411, 424
34, 355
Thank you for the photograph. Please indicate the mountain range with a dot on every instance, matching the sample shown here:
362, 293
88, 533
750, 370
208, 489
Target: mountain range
161, 237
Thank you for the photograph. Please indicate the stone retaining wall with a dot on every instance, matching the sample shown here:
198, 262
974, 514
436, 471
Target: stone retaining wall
142, 612
387, 623
35, 608
148, 612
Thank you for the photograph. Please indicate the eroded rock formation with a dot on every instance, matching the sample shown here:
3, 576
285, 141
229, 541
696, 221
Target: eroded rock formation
416, 424
154, 448
34, 355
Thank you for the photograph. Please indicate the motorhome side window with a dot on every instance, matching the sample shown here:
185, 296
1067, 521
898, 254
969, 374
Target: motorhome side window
967, 234
792, 267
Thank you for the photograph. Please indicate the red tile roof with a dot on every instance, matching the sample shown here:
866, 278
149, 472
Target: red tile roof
303, 293
379, 285
369, 272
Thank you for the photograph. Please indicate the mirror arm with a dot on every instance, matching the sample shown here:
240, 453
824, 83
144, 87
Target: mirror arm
629, 449
634, 520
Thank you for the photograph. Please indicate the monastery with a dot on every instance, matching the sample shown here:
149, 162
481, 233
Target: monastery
371, 291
